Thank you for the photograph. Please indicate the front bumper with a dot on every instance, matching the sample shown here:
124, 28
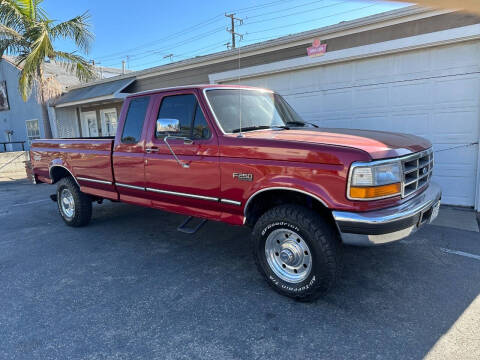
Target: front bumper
390, 224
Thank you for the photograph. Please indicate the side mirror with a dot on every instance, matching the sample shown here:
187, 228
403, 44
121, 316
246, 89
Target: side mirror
167, 127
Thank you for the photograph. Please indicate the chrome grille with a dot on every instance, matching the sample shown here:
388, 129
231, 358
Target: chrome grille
417, 171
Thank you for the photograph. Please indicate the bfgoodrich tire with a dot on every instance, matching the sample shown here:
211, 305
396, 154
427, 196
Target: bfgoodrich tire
74, 206
298, 252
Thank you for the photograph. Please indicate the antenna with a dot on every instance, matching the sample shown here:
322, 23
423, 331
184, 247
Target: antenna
240, 95
233, 46
170, 56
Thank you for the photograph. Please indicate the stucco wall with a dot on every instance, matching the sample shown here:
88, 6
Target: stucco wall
14, 119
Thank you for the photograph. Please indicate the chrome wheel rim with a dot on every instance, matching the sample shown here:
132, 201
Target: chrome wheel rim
67, 203
288, 255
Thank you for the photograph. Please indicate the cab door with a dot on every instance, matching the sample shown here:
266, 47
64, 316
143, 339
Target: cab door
129, 151
182, 171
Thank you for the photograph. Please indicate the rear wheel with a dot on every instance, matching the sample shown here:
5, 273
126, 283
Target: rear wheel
74, 206
298, 252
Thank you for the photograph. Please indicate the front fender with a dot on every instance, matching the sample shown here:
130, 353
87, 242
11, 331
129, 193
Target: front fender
314, 190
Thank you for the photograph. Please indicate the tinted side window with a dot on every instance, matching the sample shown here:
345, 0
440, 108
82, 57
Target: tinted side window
132, 130
180, 107
200, 127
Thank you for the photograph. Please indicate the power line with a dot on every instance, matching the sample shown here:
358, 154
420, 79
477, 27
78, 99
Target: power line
311, 20
296, 13
147, 53
209, 21
203, 23
172, 39
186, 54
183, 42
286, 9
151, 52
167, 49
256, 7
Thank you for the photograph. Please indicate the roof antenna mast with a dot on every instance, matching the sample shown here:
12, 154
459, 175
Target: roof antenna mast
233, 46
240, 96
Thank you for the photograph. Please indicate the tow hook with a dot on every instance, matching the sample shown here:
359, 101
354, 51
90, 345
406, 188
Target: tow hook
54, 197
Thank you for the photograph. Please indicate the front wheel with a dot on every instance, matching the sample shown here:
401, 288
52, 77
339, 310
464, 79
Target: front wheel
298, 252
74, 206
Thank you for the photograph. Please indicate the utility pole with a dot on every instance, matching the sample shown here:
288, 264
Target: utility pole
232, 29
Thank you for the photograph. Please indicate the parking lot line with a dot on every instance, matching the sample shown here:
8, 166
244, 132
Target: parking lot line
461, 253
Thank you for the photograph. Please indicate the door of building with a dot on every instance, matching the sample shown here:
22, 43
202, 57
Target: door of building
90, 124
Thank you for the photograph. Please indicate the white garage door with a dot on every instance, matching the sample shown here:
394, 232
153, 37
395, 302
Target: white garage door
434, 93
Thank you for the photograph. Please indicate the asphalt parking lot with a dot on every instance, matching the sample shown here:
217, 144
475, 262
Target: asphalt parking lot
130, 286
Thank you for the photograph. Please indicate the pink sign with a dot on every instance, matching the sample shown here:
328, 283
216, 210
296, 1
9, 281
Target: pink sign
317, 48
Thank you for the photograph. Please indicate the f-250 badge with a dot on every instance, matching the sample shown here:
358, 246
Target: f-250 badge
243, 177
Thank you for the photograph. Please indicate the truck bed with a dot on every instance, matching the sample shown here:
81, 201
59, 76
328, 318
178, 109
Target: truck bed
85, 158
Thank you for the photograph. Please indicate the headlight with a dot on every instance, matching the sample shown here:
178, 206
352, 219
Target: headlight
370, 181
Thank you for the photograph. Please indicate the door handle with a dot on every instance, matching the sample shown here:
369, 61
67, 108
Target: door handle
151, 150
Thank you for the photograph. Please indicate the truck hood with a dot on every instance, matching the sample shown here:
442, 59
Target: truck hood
378, 144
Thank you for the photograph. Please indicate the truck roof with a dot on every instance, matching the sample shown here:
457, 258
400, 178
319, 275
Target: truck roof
200, 87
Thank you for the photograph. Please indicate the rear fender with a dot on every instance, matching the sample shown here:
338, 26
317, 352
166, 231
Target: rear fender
55, 166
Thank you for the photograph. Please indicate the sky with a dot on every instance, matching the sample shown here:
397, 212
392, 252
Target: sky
145, 33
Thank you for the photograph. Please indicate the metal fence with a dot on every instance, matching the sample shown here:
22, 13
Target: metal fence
16, 146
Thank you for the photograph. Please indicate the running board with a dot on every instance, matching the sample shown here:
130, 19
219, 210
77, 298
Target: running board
192, 230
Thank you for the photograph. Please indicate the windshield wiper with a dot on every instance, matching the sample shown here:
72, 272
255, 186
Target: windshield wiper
263, 127
302, 123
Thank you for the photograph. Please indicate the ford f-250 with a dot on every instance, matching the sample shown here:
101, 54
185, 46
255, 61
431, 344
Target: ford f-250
243, 156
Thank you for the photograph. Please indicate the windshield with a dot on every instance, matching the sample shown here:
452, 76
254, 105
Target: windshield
246, 110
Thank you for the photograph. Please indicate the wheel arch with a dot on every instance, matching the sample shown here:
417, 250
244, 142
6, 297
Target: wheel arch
264, 199
58, 171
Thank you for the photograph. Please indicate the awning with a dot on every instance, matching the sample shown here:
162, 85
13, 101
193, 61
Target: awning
95, 92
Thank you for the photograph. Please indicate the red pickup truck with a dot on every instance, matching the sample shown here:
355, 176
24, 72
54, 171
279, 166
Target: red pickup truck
242, 155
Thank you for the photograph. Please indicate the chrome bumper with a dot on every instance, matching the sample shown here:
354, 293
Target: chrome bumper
390, 224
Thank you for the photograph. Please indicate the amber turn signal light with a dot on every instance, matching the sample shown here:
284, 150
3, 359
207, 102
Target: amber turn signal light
372, 192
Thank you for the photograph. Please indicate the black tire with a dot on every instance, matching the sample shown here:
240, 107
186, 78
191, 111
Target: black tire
82, 203
322, 239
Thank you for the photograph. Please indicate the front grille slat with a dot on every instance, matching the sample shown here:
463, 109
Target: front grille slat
409, 171
417, 172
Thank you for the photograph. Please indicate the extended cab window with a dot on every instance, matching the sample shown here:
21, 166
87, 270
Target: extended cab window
132, 130
187, 111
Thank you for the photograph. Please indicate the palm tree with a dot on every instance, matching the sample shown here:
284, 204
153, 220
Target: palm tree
27, 33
